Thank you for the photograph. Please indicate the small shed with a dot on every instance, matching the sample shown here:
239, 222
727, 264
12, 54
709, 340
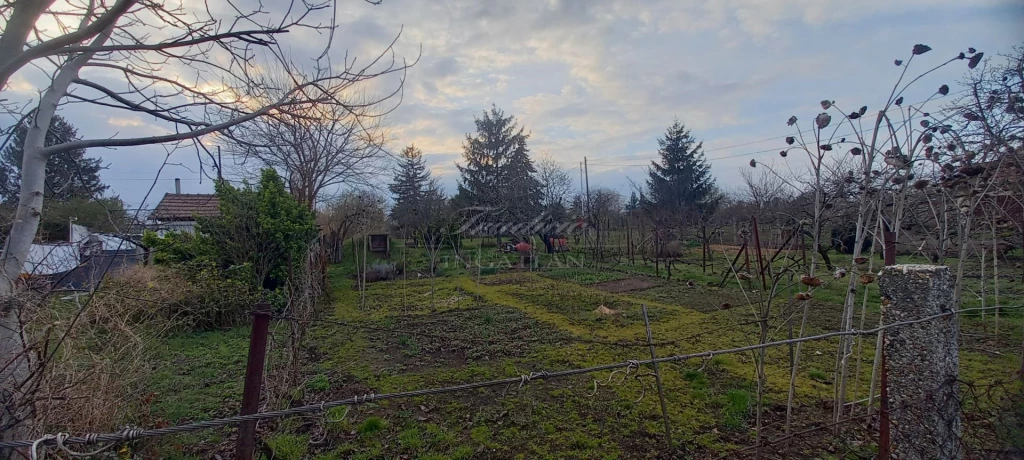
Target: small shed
380, 244
79, 264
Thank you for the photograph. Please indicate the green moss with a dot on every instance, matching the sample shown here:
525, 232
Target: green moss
818, 376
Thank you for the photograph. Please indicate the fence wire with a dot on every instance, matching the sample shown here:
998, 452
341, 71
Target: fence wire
62, 440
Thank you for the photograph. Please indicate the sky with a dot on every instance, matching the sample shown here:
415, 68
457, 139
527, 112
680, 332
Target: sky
604, 79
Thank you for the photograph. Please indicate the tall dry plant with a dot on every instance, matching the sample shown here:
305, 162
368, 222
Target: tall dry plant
95, 375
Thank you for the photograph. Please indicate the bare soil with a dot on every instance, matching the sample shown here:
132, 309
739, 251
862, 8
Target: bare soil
628, 284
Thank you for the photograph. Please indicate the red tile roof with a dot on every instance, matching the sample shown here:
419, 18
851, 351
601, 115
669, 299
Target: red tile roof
186, 206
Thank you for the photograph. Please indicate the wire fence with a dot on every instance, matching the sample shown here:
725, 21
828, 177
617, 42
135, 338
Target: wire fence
997, 407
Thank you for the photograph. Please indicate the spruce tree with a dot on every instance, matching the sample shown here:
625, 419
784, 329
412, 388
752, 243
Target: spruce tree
410, 188
681, 182
499, 174
68, 175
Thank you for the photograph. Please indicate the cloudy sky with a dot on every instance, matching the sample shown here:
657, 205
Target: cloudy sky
603, 79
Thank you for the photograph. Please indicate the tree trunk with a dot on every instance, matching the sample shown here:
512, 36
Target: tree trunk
995, 277
16, 366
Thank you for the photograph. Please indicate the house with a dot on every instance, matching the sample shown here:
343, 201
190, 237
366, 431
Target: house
178, 211
81, 262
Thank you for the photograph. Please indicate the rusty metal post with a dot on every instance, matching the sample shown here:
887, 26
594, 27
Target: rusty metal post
757, 247
884, 429
253, 380
888, 245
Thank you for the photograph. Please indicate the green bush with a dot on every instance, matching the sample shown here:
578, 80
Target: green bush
241, 257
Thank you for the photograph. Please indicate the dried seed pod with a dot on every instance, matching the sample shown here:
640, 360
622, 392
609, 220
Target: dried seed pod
790, 140
753, 163
860, 260
822, 120
921, 184
839, 273
826, 104
863, 110
791, 121
808, 280
725, 306
899, 100
867, 278
921, 49
802, 296
744, 276
782, 153
856, 151
975, 60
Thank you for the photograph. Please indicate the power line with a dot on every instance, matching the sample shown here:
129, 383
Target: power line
716, 149
63, 439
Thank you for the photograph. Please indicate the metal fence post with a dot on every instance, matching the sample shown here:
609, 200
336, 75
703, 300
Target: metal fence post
253, 380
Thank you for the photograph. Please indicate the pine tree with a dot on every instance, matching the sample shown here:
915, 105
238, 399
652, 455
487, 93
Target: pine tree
634, 202
410, 189
522, 191
682, 182
68, 175
499, 173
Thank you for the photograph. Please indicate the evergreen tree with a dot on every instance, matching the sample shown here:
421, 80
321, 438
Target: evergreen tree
68, 175
682, 181
499, 173
410, 188
522, 192
634, 202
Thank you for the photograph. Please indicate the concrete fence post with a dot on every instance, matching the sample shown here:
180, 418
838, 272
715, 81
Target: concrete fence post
922, 362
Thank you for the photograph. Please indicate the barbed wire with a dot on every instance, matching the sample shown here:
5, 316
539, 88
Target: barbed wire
132, 434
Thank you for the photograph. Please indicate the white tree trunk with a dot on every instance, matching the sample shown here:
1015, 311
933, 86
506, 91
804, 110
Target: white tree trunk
16, 367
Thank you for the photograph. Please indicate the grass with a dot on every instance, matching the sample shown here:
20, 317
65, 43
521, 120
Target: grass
371, 426
523, 321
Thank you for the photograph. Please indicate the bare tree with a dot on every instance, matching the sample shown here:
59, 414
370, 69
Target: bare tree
763, 189
555, 181
605, 204
188, 66
317, 146
352, 213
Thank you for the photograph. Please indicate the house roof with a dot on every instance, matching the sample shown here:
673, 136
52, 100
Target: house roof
186, 206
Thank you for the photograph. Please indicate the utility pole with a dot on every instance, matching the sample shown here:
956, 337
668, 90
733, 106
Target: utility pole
220, 166
582, 205
586, 173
